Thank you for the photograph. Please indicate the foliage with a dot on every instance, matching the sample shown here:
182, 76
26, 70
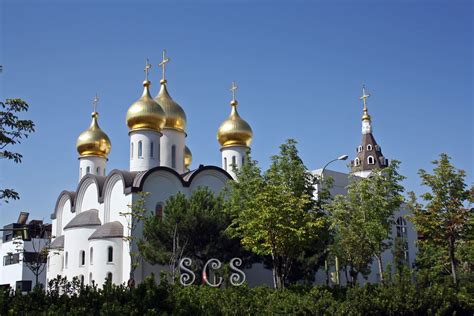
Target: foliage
273, 213
446, 221
168, 238
362, 220
397, 297
12, 131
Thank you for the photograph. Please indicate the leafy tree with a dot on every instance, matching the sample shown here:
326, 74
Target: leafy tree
273, 213
190, 227
445, 222
12, 131
362, 220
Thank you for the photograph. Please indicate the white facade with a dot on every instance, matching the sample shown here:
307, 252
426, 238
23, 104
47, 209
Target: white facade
233, 157
144, 149
172, 149
92, 164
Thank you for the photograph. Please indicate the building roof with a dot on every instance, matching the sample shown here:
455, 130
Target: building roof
58, 243
108, 230
84, 219
368, 148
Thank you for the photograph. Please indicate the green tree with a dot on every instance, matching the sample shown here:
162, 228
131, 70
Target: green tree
362, 220
273, 213
446, 220
12, 131
190, 227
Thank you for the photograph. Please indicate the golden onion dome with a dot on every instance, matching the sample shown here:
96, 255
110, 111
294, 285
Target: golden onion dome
188, 157
93, 141
145, 113
366, 116
175, 116
234, 131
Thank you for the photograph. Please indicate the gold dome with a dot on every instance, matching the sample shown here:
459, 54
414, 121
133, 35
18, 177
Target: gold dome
234, 131
175, 116
145, 113
93, 141
366, 116
188, 157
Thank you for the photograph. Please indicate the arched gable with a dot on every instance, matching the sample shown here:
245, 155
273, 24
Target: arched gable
63, 211
89, 191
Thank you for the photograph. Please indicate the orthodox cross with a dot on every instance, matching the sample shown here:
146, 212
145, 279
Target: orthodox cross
163, 63
147, 68
233, 89
364, 96
95, 101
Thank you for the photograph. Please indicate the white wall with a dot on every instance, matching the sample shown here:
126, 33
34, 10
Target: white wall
172, 137
100, 265
146, 161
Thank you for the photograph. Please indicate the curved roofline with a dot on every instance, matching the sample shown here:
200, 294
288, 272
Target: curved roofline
72, 197
127, 179
99, 181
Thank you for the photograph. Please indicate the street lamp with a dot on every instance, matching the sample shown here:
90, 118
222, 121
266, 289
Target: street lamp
343, 157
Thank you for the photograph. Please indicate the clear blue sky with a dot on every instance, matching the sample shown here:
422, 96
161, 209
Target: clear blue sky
299, 66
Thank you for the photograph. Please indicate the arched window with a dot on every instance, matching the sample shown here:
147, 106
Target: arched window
225, 163
104, 171
109, 276
173, 156
234, 165
88, 170
110, 254
90, 278
91, 255
152, 149
98, 171
80, 172
359, 149
81, 277
370, 160
369, 147
131, 150
140, 149
243, 160
401, 225
65, 259
357, 161
82, 257
159, 210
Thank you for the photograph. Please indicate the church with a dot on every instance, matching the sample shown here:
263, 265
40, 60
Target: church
89, 228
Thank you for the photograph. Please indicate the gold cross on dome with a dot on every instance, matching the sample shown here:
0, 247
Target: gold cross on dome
364, 96
233, 89
163, 63
95, 101
147, 68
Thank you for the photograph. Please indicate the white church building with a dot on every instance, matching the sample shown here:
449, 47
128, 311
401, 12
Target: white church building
87, 223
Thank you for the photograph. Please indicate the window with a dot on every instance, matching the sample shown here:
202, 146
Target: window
109, 276
225, 163
357, 161
243, 160
369, 147
233, 162
370, 160
81, 277
98, 171
90, 279
173, 156
140, 149
82, 258
359, 149
12, 258
65, 260
151, 149
91, 255
131, 150
401, 226
80, 172
159, 210
110, 254
23, 286
104, 171
88, 170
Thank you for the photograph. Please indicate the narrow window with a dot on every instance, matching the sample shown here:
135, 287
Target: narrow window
159, 210
109, 276
369, 147
88, 170
91, 255
359, 149
90, 278
140, 149
81, 277
82, 258
370, 160
104, 171
243, 160
65, 260
234, 165
225, 163
110, 254
151, 149
80, 172
357, 161
173, 156
131, 150
98, 171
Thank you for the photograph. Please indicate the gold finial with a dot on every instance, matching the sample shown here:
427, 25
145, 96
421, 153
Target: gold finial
94, 103
147, 69
233, 89
162, 64
364, 97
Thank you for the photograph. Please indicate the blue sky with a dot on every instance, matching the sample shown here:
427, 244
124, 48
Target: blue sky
299, 66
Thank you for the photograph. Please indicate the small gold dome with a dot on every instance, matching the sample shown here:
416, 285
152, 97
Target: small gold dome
175, 116
366, 116
93, 141
188, 157
145, 113
234, 131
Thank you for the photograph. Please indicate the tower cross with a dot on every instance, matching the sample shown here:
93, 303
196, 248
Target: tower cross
147, 68
233, 89
364, 97
94, 102
163, 63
